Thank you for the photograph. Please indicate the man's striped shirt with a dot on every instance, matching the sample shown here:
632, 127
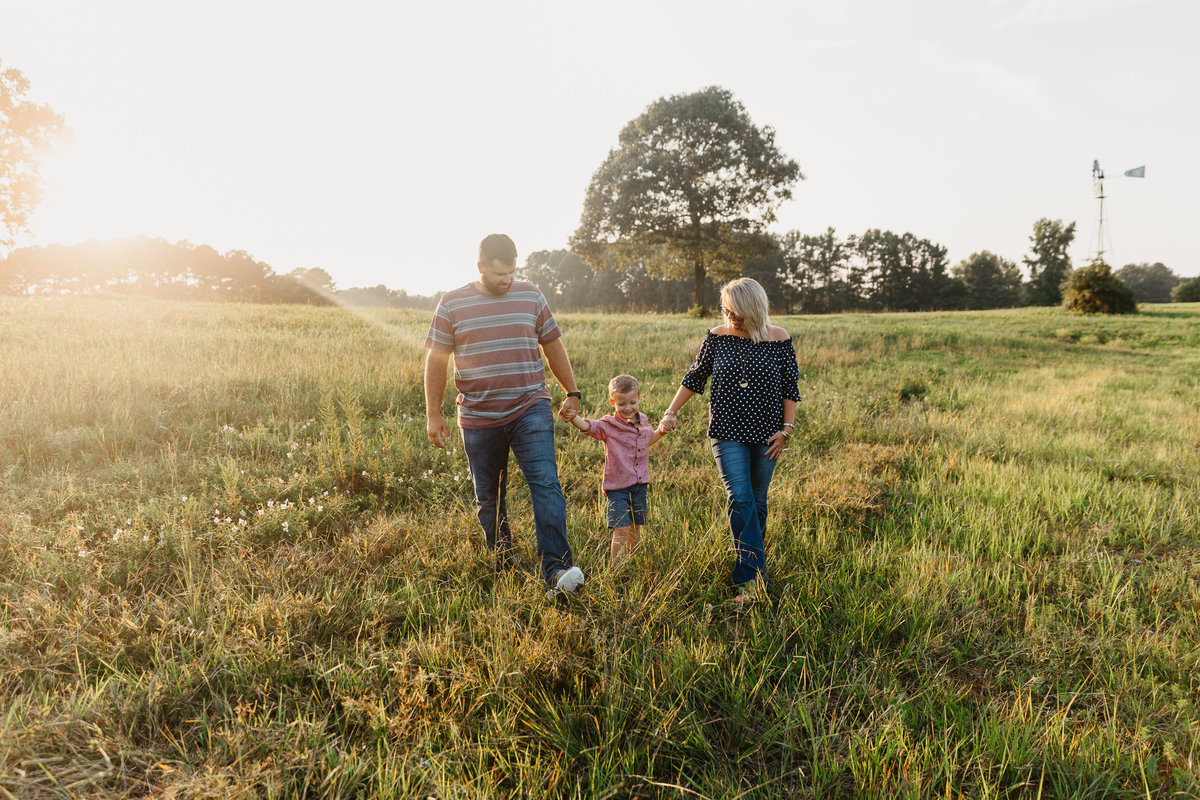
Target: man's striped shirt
498, 369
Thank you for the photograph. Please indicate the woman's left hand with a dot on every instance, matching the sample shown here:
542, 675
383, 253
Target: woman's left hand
775, 444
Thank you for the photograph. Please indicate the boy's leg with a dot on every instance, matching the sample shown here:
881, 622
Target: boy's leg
637, 510
622, 538
533, 445
619, 511
487, 455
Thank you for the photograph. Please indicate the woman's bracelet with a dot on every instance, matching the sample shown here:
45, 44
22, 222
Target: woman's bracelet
670, 413
788, 425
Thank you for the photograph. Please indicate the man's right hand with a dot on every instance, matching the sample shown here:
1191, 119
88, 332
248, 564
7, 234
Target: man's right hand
437, 430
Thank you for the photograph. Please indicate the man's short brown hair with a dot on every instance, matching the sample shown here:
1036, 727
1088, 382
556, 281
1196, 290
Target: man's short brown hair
497, 246
623, 384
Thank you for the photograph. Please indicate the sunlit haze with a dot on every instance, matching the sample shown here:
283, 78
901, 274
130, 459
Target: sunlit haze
381, 141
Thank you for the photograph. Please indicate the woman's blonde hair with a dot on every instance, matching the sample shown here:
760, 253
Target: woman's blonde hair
746, 298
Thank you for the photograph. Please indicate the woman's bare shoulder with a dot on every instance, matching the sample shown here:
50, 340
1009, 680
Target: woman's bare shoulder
720, 330
778, 334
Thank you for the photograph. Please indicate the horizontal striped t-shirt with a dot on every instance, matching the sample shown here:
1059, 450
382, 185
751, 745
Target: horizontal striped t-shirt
498, 369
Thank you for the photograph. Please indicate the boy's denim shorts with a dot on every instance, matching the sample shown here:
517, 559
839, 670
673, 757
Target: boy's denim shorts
625, 507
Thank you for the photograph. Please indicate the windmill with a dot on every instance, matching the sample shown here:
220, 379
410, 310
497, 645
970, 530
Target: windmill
1098, 185
1103, 238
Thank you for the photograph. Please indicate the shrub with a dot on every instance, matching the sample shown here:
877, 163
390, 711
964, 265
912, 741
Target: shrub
1187, 292
1095, 290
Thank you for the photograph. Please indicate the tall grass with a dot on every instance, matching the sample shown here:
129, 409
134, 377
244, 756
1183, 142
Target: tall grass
231, 566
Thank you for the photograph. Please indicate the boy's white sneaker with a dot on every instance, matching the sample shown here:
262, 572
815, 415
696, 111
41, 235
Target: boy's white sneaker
566, 581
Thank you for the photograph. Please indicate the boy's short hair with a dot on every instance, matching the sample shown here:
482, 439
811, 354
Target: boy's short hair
497, 246
623, 384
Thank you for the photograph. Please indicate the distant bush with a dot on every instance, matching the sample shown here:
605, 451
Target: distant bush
1187, 292
1095, 290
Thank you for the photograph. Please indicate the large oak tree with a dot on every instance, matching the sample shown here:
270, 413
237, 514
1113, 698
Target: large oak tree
688, 191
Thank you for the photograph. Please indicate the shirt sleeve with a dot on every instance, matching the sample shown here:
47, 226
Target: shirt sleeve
597, 430
701, 369
547, 328
441, 331
789, 373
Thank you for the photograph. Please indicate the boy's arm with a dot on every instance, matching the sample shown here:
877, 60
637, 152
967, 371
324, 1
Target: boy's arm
572, 416
658, 434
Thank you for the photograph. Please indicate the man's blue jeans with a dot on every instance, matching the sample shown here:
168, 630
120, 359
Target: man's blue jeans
746, 472
530, 437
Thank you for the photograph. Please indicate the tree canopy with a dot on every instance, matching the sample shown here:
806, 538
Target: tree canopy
990, 281
26, 129
1187, 292
1048, 262
1150, 283
688, 190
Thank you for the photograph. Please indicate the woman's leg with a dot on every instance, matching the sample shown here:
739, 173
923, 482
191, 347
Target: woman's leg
735, 464
761, 470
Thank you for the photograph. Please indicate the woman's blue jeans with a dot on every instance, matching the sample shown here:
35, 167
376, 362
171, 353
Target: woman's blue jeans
530, 437
746, 472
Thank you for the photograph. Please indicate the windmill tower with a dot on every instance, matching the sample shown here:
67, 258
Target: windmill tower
1103, 244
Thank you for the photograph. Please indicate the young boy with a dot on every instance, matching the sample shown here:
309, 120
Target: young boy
627, 437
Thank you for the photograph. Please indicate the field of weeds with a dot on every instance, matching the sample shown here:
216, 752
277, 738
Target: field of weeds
231, 566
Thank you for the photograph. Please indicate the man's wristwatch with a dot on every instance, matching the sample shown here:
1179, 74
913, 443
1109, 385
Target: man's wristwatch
575, 394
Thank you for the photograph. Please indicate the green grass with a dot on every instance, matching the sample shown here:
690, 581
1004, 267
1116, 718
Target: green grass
231, 566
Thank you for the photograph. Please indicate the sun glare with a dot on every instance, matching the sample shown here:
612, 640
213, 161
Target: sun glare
87, 196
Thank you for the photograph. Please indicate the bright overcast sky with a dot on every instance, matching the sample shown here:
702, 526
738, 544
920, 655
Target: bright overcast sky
381, 140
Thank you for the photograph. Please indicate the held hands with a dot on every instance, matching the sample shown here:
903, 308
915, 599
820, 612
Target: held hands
668, 422
569, 409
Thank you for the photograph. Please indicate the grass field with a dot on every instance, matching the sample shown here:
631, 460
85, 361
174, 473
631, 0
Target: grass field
231, 566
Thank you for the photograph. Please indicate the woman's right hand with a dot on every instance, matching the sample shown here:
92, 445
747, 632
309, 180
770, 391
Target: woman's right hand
668, 422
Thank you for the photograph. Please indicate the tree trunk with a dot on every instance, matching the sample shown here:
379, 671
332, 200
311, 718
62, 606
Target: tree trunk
698, 291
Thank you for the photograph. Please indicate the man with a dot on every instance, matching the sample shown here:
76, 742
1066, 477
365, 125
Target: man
493, 327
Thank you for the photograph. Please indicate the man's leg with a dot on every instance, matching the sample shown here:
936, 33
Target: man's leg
487, 455
533, 445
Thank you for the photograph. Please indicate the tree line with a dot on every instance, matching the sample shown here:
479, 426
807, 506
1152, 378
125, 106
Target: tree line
181, 271
828, 273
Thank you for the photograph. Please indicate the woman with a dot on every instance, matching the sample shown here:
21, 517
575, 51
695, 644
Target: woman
754, 394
